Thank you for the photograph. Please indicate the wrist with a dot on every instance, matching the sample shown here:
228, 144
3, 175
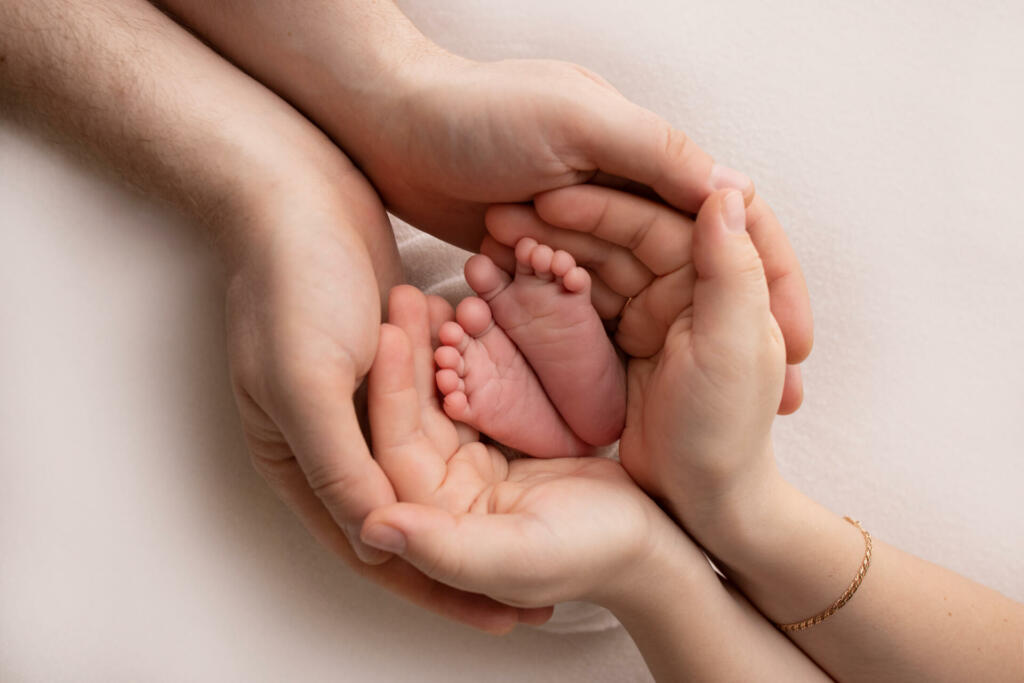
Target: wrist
790, 555
669, 571
716, 505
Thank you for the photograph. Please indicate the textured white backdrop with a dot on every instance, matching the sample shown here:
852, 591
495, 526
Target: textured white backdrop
136, 544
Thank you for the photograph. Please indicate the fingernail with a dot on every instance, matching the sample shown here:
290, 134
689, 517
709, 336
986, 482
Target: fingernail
725, 178
364, 552
384, 537
733, 214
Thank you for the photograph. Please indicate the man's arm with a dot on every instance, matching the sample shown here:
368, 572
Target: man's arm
304, 237
442, 137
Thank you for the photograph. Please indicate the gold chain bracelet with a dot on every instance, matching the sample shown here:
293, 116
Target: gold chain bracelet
845, 597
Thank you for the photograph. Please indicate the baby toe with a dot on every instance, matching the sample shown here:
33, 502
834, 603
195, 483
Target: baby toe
524, 248
448, 381
474, 315
577, 280
562, 262
456, 406
485, 277
448, 357
451, 334
540, 261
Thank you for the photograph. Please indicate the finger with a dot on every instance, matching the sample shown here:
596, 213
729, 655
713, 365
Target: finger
319, 422
789, 299
607, 302
657, 235
648, 317
731, 308
623, 139
792, 391
408, 309
402, 447
662, 239
615, 265
288, 481
624, 185
440, 312
473, 552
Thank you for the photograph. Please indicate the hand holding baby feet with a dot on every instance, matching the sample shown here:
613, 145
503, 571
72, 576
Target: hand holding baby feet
528, 532
545, 310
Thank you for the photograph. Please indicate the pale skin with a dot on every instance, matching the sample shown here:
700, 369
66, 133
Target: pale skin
300, 229
702, 397
532, 532
442, 137
528, 361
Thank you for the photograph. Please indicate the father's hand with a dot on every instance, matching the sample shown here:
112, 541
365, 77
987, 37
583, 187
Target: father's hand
467, 134
303, 320
440, 136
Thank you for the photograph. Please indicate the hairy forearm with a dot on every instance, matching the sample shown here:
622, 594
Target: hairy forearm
121, 83
344, 64
908, 620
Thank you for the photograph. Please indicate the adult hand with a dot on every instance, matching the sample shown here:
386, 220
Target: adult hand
640, 254
687, 425
442, 137
534, 532
303, 316
528, 532
466, 134
708, 356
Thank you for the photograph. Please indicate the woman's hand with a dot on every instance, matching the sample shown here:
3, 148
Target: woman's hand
526, 532
534, 532
640, 253
699, 318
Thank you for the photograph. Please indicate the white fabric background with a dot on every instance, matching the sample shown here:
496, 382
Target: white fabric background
136, 544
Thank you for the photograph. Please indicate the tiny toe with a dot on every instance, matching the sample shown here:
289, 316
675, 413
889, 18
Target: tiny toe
449, 358
452, 334
474, 315
577, 280
562, 262
524, 248
485, 277
448, 381
456, 406
540, 261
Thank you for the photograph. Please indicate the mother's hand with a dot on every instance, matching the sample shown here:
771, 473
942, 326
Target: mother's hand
640, 254
526, 532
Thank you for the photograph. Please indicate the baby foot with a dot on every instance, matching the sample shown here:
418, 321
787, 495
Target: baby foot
546, 311
488, 385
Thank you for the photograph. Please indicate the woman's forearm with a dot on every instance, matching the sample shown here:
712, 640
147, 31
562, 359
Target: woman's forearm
689, 625
908, 620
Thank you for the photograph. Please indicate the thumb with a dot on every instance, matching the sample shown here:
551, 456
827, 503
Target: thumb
623, 139
730, 298
473, 552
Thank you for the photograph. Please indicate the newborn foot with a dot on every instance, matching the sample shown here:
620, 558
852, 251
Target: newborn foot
488, 385
546, 311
